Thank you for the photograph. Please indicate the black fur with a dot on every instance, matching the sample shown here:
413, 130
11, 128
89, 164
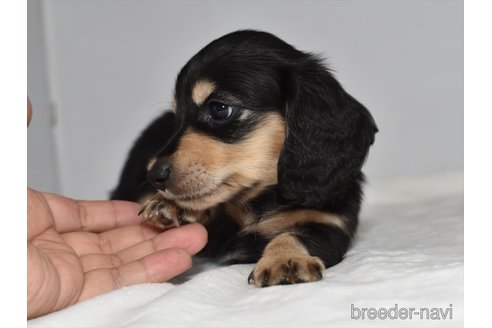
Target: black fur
324, 241
328, 138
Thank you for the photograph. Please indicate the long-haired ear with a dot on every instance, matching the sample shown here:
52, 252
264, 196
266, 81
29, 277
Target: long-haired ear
328, 137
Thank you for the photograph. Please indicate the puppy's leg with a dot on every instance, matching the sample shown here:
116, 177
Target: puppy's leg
304, 243
164, 214
286, 261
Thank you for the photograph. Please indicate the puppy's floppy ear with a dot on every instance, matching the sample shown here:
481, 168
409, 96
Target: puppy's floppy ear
328, 137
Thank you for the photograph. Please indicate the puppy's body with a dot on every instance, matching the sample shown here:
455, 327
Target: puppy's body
265, 148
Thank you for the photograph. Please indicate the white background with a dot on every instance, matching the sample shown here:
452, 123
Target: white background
98, 72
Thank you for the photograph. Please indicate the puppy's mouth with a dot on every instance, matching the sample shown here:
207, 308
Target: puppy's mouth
220, 192
168, 194
203, 199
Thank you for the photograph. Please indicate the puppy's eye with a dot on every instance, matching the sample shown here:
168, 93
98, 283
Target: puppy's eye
219, 111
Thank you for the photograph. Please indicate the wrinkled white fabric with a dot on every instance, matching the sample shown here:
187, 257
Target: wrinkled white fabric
408, 253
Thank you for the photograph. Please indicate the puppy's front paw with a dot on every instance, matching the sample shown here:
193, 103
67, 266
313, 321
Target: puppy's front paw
161, 213
285, 270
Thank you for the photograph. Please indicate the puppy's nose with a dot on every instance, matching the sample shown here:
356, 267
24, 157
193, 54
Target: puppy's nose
159, 174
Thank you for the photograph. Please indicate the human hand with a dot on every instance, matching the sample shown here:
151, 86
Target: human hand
80, 249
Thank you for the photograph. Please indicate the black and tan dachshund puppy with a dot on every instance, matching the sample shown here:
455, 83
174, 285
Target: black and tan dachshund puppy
265, 148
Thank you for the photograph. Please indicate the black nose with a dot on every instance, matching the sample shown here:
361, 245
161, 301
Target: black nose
159, 174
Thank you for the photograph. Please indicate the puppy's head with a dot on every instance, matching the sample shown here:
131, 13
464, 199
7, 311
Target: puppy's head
251, 112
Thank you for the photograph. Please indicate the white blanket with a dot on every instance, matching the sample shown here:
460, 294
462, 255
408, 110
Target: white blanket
407, 258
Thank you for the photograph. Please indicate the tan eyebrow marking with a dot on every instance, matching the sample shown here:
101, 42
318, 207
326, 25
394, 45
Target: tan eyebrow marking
202, 90
174, 105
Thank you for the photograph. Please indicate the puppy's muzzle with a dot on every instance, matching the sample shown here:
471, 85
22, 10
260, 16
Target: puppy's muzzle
159, 174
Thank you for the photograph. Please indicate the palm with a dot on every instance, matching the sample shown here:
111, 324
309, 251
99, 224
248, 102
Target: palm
77, 250
54, 269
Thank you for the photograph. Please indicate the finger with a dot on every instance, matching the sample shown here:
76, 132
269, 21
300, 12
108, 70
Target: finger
104, 243
38, 213
94, 216
157, 267
190, 238
29, 111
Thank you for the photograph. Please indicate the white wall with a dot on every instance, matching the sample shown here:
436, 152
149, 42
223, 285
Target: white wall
42, 163
112, 66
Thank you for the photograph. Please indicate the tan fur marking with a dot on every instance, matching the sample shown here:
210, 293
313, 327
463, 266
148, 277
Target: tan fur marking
284, 220
151, 163
173, 106
201, 91
283, 245
240, 213
210, 171
286, 261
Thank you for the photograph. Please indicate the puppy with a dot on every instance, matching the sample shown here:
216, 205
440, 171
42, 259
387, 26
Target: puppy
265, 148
